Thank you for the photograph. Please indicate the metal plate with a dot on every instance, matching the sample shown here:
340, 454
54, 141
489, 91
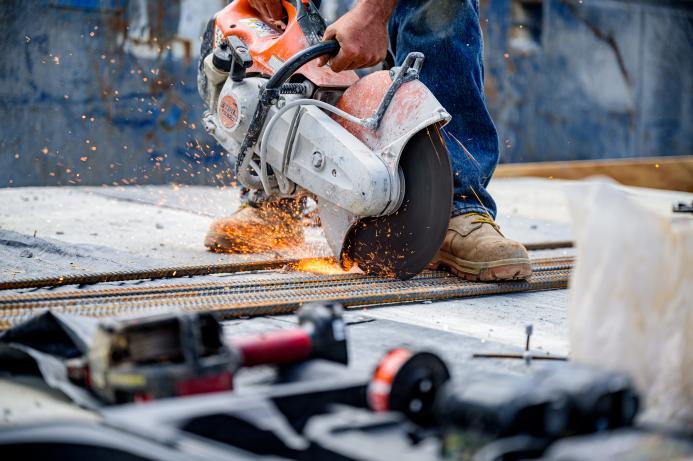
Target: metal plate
403, 243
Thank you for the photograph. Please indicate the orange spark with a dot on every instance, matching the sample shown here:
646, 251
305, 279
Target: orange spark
323, 266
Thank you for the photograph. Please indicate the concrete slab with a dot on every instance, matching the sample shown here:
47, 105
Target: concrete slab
133, 228
24, 255
167, 224
80, 229
116, 228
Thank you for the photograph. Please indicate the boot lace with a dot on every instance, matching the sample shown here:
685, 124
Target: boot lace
484, 219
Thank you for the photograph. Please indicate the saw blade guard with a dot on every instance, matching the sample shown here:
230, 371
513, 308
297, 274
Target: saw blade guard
404, 240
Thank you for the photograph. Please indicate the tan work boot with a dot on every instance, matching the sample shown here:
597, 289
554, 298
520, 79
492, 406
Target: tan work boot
475, 249
256, 230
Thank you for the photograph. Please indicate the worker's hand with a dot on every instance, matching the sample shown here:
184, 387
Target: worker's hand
362, 36
270, 11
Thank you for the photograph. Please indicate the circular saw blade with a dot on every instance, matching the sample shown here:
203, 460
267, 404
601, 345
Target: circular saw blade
403, 243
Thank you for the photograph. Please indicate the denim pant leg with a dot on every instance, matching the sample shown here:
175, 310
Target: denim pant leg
449, 34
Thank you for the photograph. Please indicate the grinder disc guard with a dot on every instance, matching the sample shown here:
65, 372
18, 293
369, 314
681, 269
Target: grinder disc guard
403, 243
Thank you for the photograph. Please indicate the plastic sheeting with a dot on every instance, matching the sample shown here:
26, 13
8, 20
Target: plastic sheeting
42, 344
631, 300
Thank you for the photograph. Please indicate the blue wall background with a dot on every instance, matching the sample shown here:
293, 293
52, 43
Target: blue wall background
569, 79
104, 92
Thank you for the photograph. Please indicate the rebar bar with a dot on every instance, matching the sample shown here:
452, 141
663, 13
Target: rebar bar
190, 271
277, 294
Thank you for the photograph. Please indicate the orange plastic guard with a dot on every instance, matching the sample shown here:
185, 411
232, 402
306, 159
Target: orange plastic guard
381, 384
270, 47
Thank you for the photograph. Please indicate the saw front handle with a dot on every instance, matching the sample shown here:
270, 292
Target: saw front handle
232, 56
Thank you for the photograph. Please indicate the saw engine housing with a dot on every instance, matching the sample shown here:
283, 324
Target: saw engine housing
293, 128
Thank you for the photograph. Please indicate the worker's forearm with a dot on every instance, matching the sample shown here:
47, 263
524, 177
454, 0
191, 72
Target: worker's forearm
378, 10
362, 35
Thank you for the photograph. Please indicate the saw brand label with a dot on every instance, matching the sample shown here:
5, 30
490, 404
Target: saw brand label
275, 63
228, 112
261, 29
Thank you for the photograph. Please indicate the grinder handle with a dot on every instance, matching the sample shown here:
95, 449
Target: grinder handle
294, 63
274, 348
322, 334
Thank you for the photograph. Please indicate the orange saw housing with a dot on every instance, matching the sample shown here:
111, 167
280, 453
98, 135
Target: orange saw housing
270, 48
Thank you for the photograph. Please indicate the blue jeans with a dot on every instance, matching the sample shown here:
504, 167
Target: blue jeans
449, 34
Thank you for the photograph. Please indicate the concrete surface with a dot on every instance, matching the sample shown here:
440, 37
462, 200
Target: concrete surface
165, 225
120, 228
79, 229
83, 229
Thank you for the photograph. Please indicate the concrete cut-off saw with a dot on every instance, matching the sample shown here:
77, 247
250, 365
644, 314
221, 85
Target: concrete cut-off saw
368, 150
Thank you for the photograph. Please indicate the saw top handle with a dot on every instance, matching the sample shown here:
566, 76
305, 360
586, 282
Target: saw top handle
330, 47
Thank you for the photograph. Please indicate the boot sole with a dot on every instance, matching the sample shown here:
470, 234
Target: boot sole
493, 271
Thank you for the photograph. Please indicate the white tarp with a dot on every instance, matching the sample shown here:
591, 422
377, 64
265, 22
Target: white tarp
631, 296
